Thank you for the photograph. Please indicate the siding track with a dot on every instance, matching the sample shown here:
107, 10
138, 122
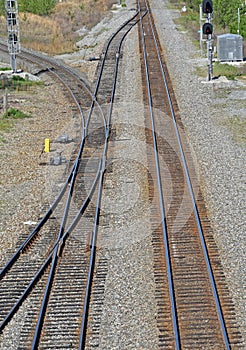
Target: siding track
68, 267
63, 277
44, 263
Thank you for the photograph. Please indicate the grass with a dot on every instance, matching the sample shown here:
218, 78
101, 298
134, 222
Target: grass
189, 22
227, 70
237, 126
3, 69
19, 83
13, 113
5, 124
222, 69
122, 3
8, 119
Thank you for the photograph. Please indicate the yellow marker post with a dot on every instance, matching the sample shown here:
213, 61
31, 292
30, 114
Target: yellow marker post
47, 145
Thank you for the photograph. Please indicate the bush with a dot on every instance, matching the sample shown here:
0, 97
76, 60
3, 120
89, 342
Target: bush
7, 121
15, 114
38, 7
230, 72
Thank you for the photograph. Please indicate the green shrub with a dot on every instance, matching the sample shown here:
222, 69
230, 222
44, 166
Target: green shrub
4, 69
8, 119
230, 72
38, 7
5, 124
17, 82
15, 114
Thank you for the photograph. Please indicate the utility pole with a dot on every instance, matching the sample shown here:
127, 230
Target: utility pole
238, 21
11, 7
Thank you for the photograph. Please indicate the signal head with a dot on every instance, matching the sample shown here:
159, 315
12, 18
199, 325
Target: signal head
207, 28
207, 6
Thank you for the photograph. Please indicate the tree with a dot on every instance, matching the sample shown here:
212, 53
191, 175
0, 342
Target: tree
193, 4
2, 8
39, 7
226, 15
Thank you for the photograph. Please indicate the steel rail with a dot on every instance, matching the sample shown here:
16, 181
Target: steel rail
188, 181
66, 69
104, 54
162, 206
91, 263
107, 48
55, 257
60, 241
94, 235
82, 342
35, 231
49, 212
61, 232
54, 260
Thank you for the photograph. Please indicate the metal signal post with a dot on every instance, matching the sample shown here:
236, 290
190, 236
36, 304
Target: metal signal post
210, 55
207, 8
11, 7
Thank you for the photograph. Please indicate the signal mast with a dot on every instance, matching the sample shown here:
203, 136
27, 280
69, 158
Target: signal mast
11, 7
207, 29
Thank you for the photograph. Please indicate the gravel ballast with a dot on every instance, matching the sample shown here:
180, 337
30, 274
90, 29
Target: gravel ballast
210, 112
129, 312
206, 109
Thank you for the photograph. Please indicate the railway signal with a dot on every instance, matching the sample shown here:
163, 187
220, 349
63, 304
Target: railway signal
207, 6
11, 7
207, 29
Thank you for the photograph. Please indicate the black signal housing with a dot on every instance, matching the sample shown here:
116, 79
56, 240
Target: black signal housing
207, 29
207, 6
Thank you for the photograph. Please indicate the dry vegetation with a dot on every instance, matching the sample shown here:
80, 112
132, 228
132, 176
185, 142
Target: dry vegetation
56, 34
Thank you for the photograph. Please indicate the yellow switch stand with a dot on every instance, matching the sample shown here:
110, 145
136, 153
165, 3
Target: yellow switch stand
47, 145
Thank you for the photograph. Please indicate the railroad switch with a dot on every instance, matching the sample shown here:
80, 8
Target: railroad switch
64, 139
58, 159
47, 145
94, 58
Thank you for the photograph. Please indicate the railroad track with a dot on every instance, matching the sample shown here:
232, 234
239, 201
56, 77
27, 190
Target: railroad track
195, 311
47, 284
57, 285
35, 271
